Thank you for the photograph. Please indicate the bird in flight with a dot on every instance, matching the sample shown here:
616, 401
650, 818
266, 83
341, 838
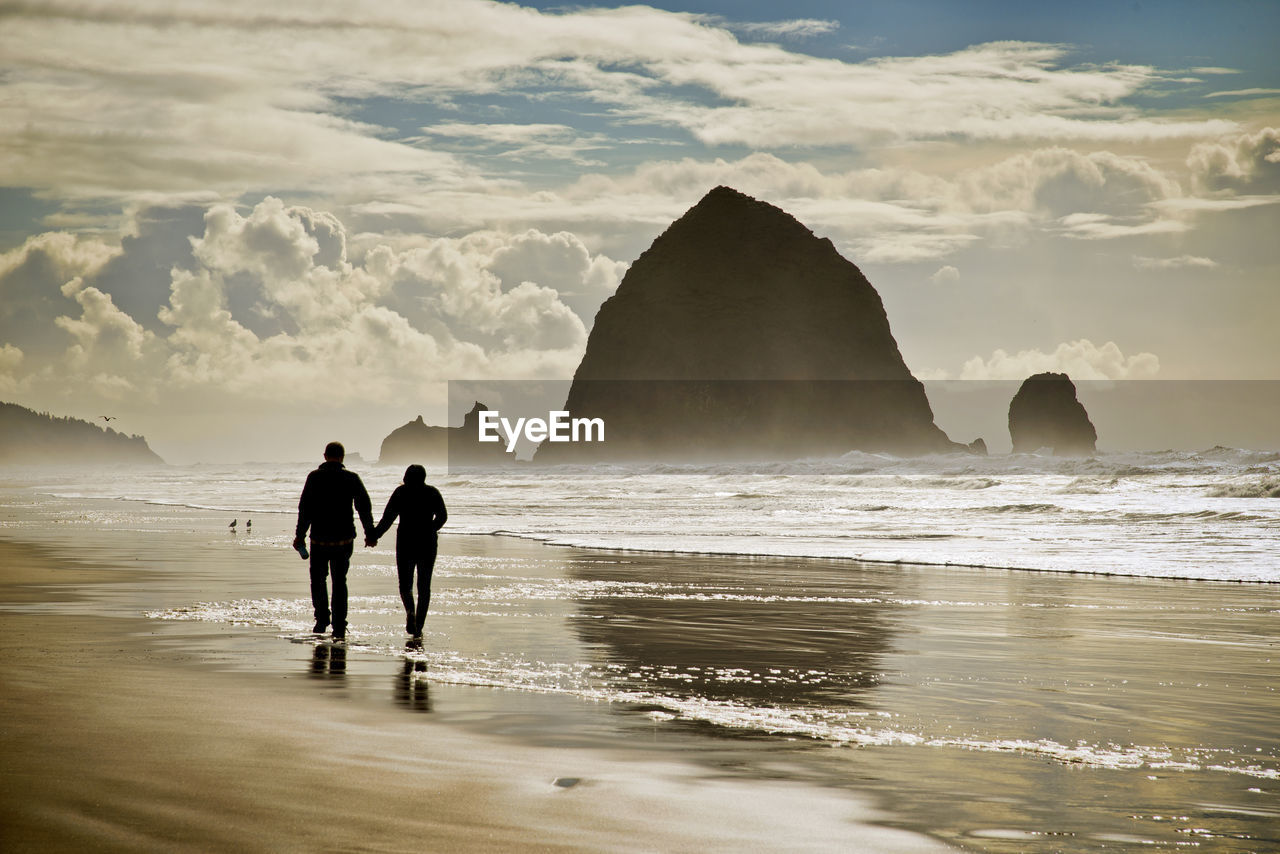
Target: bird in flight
107, 417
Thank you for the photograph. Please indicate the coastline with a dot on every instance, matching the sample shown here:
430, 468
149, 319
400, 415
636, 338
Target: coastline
113, 741
852, 560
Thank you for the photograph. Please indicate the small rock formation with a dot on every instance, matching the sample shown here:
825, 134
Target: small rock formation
739, 334
419, 442
416, 441
31, 438
1046, 414
978, 446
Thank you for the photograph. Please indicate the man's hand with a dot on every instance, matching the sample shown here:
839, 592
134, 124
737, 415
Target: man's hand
297, 543
370, 542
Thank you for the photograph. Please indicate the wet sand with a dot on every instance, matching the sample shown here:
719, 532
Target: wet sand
114, 738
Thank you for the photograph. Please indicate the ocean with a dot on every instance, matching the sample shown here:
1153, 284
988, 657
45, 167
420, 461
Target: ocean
1209, 516
1015, 650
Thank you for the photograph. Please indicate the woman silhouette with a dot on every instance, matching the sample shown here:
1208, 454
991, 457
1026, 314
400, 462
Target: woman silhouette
422, 513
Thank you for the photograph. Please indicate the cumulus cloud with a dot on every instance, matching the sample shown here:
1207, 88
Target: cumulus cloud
345, 313
1081, 360
560, 261
945, 274
31, 276
1057, 182
65, 255
375, 324
1244, 163
110, 346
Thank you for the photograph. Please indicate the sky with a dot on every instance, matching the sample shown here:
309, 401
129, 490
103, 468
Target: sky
246, 228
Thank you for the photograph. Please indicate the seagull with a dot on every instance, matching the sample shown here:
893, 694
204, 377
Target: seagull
107, 417
248, 525
232, 526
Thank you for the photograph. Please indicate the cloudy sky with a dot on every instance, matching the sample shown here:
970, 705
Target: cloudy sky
244, 228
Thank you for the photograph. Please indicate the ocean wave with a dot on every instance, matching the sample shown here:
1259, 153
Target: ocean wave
1240, 456
1132, 464
961, 483
163, 502
1267, 487
1023, 508
1090, 486
1197, 515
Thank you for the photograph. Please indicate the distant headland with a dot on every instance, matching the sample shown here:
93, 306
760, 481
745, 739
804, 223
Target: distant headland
38, 438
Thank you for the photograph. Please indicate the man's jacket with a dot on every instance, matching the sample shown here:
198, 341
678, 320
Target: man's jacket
327, 500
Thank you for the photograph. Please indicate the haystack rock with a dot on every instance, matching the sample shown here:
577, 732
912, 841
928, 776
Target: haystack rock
1046, 414
739, 334
419, 442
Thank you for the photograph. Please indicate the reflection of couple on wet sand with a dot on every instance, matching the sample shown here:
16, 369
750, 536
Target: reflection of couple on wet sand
330, 495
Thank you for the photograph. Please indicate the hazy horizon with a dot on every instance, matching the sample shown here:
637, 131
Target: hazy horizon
254, 227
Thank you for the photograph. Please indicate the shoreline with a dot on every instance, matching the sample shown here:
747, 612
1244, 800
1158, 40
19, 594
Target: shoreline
549, 540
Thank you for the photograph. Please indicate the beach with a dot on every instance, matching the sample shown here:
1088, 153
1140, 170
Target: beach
161, 691
115, 741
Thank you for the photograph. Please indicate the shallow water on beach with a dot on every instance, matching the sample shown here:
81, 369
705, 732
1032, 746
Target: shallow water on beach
1002, 710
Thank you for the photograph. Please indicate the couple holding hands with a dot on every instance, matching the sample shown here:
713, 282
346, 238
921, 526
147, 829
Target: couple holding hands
330, 495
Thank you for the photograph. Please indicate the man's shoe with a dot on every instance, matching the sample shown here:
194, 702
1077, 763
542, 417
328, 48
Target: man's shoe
339, 634
319, 627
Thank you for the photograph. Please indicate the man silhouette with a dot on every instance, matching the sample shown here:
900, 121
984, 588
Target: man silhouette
325, 507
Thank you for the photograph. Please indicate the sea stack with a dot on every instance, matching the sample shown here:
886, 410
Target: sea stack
1046, 414
419, 442
739, 334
